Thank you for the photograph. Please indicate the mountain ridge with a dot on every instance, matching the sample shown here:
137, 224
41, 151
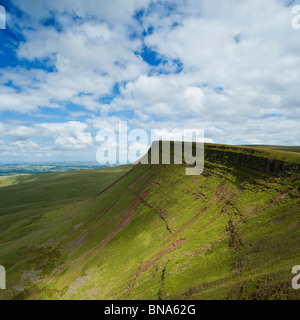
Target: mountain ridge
230, 233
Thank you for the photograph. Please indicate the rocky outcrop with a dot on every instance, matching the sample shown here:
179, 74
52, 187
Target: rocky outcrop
251, 158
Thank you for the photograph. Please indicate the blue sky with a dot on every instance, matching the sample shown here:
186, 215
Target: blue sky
71, 68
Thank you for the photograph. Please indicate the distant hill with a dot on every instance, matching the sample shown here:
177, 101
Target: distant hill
151, 232
36, 168
282, 148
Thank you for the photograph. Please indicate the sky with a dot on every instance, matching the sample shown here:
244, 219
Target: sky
69, 68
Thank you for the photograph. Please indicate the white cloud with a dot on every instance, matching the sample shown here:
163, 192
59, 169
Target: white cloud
258, 73
70, 135
23, 132
26, 145
47, 139
2, 129
160, 95
239, 78
114, 11
194, 98
88, 58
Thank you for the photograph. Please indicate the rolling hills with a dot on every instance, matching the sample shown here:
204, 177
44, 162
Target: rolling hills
151, 232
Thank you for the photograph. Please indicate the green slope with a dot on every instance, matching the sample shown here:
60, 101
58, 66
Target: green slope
281, 148
230, 233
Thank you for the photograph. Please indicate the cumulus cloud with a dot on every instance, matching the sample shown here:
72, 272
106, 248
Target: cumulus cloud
70, 135
23, 132
46, 138
229, 67
246, 48
88, 57
160, 95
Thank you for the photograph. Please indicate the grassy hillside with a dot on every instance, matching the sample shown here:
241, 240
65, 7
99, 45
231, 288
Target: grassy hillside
230, 233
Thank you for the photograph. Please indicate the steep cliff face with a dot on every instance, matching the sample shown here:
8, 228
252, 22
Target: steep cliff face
255, 159
229, 233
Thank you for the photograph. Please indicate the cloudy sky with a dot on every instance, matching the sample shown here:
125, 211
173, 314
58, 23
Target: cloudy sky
71, 68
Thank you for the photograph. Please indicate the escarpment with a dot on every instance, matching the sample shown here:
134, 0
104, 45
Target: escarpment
253, 159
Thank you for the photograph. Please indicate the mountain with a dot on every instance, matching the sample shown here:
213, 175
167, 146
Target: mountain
152, 232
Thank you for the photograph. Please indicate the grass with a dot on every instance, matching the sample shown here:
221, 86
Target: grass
282, 148
230, 233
